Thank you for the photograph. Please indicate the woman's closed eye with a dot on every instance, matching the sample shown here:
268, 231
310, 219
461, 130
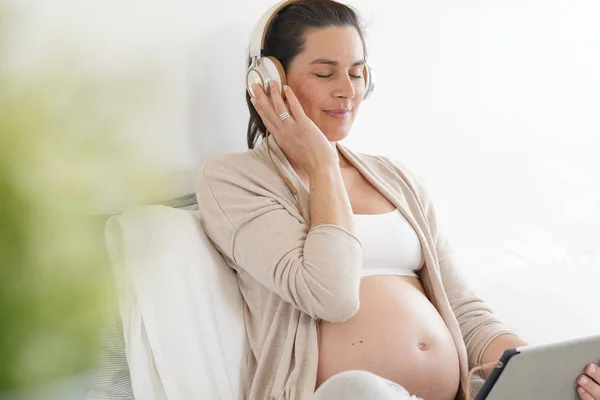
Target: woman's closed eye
330, 75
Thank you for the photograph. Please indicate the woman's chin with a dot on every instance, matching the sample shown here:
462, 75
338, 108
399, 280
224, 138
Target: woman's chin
334, 134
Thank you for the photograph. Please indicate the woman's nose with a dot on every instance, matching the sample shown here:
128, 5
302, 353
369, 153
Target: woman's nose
345, 88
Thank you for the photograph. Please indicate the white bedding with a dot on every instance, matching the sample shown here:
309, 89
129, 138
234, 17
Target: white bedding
180, 306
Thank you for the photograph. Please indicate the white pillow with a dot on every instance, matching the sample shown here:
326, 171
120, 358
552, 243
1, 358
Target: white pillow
165, 248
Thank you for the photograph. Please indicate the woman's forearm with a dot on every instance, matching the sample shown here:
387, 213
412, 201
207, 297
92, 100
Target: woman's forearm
496, 348
329, 202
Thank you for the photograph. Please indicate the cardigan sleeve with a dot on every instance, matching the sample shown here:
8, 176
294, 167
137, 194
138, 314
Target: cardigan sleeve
478, 325
316, 270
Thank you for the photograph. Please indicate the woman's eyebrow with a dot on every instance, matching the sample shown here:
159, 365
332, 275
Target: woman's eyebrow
335, 63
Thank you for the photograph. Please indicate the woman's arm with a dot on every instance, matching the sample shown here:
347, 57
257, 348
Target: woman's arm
496, 348
243, 204
329, 202
252, 219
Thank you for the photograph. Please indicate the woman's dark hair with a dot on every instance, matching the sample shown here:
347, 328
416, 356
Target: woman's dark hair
285, 40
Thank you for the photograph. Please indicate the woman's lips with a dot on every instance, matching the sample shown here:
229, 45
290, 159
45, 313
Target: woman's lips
339, 114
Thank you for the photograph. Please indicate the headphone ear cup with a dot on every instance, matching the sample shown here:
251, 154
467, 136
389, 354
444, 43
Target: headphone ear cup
254, 75
369, 82
267, 69
275, 72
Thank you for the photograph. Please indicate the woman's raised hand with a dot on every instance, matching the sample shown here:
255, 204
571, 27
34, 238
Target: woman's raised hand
297, 135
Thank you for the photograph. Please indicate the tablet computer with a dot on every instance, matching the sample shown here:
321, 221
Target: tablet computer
547, 371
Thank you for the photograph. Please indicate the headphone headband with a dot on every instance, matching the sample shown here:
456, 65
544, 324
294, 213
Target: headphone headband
257, 43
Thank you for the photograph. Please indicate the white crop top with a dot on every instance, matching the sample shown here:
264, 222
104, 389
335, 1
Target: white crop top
390, 246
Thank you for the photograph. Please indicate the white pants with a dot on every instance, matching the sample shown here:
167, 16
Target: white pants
361, 385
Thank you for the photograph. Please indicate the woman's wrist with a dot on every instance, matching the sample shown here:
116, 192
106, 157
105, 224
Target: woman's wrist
324, 163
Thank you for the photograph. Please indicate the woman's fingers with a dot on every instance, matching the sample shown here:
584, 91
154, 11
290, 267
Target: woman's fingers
295, 106
593, 371
589, 382
584, 395
265, 108
260, 111
278, 102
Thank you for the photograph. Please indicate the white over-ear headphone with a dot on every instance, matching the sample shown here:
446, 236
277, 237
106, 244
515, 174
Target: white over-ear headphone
266, 69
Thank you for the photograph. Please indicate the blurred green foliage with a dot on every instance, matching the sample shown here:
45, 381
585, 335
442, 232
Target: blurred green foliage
60, 161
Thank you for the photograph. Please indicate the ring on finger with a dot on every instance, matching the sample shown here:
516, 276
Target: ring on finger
284, 115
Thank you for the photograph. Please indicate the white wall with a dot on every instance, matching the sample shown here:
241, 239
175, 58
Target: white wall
494, 103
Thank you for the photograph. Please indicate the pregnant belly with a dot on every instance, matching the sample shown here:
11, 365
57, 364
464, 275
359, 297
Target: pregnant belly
397, 334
